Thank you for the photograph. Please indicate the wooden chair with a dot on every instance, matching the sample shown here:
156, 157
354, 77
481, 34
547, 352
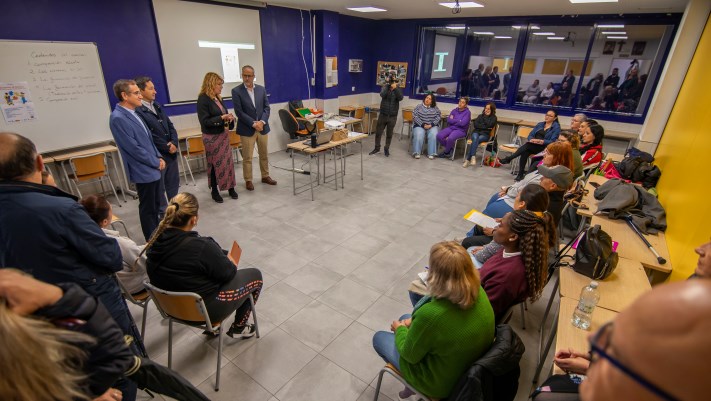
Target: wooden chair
520, 138
90, 168
194, 149
236, 145
406, 120
189, 308
140, 299
492, 139
359, 114
466, 138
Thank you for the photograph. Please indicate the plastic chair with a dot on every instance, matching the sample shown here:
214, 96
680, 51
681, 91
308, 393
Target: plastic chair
406, 119
188, 308
86, 169
236, 145
140, 299
194, 149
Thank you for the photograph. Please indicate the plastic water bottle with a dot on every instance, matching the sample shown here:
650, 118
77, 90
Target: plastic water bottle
589, 297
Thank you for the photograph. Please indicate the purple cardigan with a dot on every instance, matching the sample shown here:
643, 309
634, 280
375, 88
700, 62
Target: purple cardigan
459, 120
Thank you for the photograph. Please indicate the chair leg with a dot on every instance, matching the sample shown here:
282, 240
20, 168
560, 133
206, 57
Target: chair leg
254, 314
170, 343
143, 321
113, 188
190, 170
380, 382
219, 359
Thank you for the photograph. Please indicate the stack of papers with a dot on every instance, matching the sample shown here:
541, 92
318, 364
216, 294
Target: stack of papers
334, 124
480, 219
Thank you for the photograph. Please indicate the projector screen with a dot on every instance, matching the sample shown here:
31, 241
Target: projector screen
197, 38
443, 61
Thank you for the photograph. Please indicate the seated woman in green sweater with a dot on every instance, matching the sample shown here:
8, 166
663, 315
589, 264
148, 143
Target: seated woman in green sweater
448, 330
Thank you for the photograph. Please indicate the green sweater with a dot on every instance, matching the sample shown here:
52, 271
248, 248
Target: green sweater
442, 342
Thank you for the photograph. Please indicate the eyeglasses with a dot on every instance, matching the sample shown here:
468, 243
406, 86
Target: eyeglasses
549, 115
247, 75
597, 352
136, 93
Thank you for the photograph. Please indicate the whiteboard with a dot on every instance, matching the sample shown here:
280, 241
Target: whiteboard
66, 93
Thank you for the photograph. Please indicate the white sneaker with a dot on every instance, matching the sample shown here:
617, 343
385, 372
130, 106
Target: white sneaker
466, 164
431, 157
473, 161
417, 155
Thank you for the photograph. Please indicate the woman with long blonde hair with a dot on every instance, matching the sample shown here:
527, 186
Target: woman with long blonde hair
448, 330
215, 124
179, 259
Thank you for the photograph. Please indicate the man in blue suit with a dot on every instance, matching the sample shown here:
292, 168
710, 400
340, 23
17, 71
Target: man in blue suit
252, 110
140, 156
164, 137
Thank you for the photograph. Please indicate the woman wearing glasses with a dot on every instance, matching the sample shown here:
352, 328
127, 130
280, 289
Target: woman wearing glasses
541, 135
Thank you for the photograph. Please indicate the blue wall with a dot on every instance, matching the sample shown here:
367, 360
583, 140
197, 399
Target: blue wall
356, 41
395, 40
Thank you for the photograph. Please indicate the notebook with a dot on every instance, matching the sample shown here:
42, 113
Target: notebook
235, 253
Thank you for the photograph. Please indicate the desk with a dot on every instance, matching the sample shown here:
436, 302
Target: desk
632, 247
525, 123
615, 157
569, 336
589, 198
309, 152
188, 132
619, 290
61, 158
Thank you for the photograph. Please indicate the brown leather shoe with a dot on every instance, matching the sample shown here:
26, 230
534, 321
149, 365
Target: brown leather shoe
268, 180
249, 185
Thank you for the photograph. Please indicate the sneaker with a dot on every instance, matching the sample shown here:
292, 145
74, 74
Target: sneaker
444, 155
374, 151
416, 155
246, 331
387, 152
431, 157
473, 160
465, 164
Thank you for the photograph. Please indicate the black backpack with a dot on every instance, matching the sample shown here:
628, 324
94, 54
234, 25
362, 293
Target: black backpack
637, 169
594, 256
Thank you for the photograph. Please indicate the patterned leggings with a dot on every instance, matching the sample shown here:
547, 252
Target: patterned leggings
234, 296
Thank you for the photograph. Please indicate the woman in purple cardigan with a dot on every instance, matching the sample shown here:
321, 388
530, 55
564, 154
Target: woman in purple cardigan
457, 126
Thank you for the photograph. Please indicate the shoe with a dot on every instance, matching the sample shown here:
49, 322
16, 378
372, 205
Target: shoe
465, 164
387, 152
518, 178
473, 160
233, 193
405, 393
268, 180
236, 331
444, 155
210, 333
374, 151
505, 160
216, 197
416, 155
249, 186
431, 157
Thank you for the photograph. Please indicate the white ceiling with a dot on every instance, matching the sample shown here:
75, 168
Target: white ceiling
401, 9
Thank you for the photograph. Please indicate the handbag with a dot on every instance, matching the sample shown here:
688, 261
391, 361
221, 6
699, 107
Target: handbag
594, 256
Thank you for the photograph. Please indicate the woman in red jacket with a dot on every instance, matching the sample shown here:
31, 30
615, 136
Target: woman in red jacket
592, 134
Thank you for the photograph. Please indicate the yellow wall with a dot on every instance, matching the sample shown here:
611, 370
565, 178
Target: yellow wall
684, 156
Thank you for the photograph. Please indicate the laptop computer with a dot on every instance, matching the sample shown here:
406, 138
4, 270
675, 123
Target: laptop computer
235, 253
323, 137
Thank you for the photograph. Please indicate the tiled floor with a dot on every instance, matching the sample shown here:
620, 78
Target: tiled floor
335, 271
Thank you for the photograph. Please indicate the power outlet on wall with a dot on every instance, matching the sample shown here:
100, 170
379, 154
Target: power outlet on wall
313, 81
353, 89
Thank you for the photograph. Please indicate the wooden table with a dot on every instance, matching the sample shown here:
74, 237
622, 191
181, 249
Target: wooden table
615, 157
632, 247
332, 146
619, 290
569, 336
589, 198
526, 123
61, 158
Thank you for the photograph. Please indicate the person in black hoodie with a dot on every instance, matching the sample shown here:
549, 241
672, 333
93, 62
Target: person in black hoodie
179, 259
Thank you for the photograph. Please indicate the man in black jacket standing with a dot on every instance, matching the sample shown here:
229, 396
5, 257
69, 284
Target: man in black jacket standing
164, 137
389, 107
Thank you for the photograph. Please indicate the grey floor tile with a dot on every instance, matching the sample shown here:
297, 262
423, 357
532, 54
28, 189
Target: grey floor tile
369, 395
316, 325
322, 380
349, 298
377, 274
275, 359
337, 232
313, 280
341, 260
310, 247
284, 234
281, 263
193, 359
353, 351
231, 347
256, 249
235, 385
280, 302
382, 313
365, 244
398, 256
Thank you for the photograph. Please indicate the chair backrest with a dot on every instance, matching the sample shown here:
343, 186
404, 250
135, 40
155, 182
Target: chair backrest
406, 115
523, 132
294, 105
90, 166
320, 125
138, 299
288, 122
441, 90
184, 306
235, 139
194, 145
359, 113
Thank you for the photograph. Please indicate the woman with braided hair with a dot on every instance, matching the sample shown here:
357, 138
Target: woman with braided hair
179, 259
520, 269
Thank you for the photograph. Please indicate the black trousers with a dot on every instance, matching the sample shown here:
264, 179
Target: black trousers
149, 195
170, 182
233, 296
383, 123
476, 240
524, 152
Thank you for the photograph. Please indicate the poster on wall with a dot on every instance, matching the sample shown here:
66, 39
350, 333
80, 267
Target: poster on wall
331, 71
391, 70
17, 105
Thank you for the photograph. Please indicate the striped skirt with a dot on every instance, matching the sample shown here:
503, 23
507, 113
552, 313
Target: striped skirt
219, 156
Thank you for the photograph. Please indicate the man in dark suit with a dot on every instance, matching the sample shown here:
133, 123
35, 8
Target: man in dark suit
140, 157
164, 137
252, 110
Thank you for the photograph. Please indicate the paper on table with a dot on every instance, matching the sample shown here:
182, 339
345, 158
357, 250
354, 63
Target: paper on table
480, 219
423, 277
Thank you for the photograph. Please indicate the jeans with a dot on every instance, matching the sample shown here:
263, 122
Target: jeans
497, 208
384, 345
476, 140
418, 138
